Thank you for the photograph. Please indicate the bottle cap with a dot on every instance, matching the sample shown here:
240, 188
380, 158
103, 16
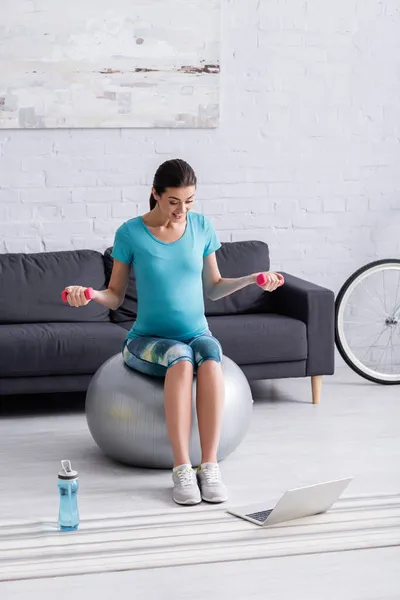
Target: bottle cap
67, 472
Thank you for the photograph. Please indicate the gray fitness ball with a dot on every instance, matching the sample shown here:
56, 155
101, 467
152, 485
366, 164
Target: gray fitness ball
125, 415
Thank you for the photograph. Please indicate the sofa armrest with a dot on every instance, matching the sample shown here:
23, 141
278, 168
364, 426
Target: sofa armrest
315, 306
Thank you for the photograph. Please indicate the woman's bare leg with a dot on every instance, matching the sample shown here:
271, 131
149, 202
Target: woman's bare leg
210, 401
178, 409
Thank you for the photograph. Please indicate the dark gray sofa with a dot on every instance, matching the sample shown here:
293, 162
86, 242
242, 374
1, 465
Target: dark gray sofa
47, 346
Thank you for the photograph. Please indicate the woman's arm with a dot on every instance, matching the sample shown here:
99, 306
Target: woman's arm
216, 287
111, 298
114, 295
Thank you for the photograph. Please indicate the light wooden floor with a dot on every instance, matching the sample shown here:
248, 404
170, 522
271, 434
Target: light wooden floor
354, 431
362, 575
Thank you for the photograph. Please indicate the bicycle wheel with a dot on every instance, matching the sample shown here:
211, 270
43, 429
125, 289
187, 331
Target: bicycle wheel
367, 321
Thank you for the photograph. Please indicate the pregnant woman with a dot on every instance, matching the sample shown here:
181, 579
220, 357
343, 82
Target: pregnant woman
172, 251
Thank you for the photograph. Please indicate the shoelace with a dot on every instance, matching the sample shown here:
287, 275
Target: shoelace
186, 477
211, 474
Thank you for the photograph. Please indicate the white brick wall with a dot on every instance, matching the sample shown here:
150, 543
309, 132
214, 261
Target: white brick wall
307, 156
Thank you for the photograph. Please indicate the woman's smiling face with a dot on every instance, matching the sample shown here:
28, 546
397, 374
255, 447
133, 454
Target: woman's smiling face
175, 203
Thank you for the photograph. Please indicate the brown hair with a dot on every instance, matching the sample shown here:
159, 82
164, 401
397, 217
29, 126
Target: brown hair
172, 173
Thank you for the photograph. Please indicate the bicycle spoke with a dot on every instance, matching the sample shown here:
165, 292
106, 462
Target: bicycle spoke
391, 356
384, 302
384, 290
385, 348
370, 334
369, 309
397, 306
363, 322
372, 345
392, 353
363, 317
372, 298
361, 347
363, 309
363, 340
391, 367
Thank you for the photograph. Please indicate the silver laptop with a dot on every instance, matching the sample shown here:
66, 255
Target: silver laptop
294, 504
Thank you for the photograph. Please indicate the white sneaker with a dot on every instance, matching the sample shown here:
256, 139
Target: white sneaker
186, 490
210, 483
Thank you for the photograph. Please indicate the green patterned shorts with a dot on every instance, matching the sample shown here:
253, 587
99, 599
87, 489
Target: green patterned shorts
153, 355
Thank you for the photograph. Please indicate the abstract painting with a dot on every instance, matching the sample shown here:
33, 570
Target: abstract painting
96, 63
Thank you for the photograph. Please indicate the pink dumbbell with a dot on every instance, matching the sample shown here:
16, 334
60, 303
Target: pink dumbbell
262, 279
89, 293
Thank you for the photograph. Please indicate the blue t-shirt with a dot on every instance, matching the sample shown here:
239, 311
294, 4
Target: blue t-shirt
168, 277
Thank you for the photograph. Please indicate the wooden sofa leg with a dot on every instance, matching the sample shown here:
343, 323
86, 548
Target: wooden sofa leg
316, 384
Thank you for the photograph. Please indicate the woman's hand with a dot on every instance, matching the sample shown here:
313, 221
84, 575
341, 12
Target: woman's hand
76, 296
274, 280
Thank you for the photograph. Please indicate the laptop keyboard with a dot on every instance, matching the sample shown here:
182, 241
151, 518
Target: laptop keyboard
260, 516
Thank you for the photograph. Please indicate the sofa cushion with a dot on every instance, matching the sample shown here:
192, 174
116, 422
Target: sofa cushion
128, 309
31, 286
235, 259
257, 339
41, 349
